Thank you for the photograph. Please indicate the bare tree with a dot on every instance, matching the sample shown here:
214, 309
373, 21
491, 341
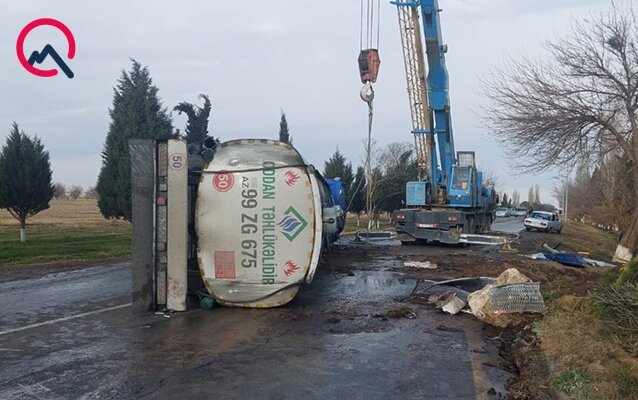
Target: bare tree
91, 193
537, 194
580, 103
558, 193
75, 192
530, 196
491, 179
390, 168
59, 191
516, 198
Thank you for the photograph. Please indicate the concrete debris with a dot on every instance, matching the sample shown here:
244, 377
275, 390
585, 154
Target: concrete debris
462, 287
420, 264
511, 291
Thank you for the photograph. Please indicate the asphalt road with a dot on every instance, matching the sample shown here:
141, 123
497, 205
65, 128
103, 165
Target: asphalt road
72, 335
508, 224
57, 295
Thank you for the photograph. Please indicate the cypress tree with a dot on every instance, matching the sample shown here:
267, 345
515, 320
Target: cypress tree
284, 135
356, 196
197, 125
25, 177
137, 112
338, 167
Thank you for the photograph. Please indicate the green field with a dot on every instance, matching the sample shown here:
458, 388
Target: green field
69, 231
59, 244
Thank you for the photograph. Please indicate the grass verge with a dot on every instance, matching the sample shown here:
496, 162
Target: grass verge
586, 362
354, 224
61, 243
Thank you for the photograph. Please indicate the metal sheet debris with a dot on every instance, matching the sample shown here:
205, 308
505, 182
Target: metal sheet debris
371, 236
536, 256
597, 263
420, 264
517, 298
448, 302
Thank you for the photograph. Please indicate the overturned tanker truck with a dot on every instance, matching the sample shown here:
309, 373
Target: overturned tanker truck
244, 222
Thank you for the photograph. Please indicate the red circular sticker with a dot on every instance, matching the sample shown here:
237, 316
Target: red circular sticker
223, 181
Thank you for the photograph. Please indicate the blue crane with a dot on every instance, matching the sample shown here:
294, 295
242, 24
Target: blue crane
449, 198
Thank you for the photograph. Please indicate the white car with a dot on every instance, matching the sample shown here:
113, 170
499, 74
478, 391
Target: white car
543, 221
502, 212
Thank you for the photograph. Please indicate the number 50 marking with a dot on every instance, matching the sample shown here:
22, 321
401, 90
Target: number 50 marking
176, 161
223, 181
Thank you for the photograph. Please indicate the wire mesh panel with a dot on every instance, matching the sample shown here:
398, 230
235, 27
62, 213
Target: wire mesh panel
517, 298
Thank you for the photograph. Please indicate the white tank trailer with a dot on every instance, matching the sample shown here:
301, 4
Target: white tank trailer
242, 222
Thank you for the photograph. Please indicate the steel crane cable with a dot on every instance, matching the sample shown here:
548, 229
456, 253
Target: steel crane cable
369, 31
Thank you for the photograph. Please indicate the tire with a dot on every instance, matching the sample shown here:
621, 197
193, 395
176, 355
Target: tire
558, 231
527, 228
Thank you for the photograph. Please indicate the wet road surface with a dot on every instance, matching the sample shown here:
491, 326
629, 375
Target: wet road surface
62, 294
71, 335
508, 224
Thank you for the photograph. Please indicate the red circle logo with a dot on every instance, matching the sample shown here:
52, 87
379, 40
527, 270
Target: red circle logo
223, 181
45, 73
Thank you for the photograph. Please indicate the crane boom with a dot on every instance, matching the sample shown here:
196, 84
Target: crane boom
449, 199
412, 46
438, 85
427, 95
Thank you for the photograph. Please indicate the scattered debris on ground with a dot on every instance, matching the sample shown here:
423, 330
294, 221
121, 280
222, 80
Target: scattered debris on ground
420, 264
509, 301
403, 312
505, 301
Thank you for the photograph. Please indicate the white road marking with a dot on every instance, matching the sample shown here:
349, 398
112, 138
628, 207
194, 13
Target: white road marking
55, 321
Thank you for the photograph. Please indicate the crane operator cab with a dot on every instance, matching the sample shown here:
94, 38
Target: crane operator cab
463, 190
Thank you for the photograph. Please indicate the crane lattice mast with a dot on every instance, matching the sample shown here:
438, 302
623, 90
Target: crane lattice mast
412, 46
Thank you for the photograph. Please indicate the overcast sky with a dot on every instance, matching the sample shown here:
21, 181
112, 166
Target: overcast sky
255, 58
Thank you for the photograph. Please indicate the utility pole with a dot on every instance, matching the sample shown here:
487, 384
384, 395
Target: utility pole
566, 200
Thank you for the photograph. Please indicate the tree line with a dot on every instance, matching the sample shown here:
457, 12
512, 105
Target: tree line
392, 167
601, 194
578, 105
533, 201
26, 186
